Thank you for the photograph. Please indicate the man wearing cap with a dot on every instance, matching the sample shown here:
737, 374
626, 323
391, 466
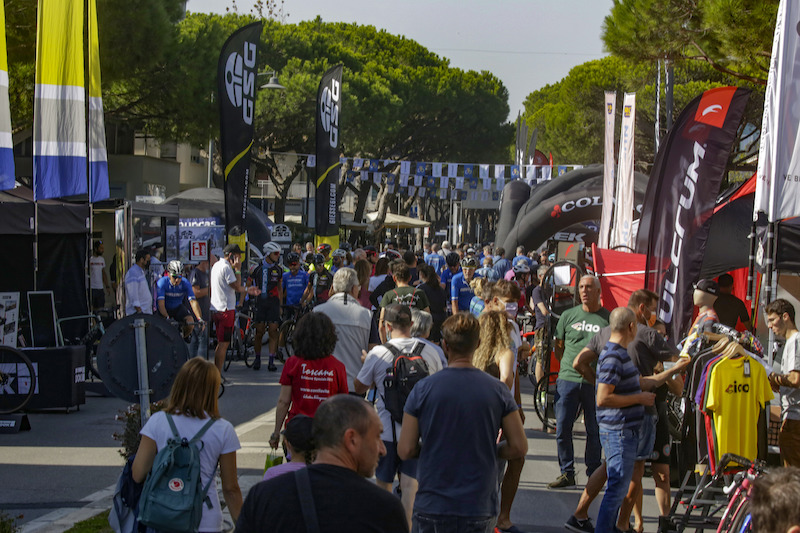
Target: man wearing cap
226, 282
460, 292
397, 319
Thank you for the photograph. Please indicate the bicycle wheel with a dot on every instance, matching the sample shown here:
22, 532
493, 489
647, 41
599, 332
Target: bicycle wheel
285, 346
560, 287
234, 348
17, 380
742, 520
90, 340
544, 400
247, 343
737, 501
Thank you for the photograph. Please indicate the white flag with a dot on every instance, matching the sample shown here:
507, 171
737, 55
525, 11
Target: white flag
484, 171
357, 162
778, 174
487, 183
417, 181
405, 167
444, 182
500, 184
311, 161
404, 180
452, 169
459, 183
422, 192
622, 232
608, 169
499, 171
437, 170
376, 177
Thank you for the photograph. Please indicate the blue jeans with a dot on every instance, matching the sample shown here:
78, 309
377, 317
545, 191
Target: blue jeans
438, 523
570, 395
620, 447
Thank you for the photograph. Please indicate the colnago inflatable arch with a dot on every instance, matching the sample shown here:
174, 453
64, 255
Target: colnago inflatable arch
554, 206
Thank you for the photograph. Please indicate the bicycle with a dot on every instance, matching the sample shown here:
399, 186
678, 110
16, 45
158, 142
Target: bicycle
92, 337
286, 331
241, 338
17, 380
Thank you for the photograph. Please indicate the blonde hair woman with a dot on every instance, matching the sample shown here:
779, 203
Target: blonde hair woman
192, 400
494, 355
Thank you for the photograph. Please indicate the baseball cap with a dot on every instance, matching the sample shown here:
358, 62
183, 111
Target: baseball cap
398, 314
298, 433
707, 285
231, 249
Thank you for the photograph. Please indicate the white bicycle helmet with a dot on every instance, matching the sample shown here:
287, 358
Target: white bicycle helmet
521, 268
271, 248
175, 268
339, 252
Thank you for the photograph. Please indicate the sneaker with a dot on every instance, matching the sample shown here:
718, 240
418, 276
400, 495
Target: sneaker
257, 363
579, 526
271, 367
562, 481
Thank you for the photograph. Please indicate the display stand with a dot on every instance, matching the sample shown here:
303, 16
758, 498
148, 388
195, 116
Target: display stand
60, 377
14, 423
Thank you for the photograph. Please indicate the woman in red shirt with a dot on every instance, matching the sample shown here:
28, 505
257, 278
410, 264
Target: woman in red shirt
311, 375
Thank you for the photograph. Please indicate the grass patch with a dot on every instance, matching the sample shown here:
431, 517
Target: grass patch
95, 524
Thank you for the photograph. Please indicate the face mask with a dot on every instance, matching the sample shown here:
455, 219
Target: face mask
651, 321
511, 310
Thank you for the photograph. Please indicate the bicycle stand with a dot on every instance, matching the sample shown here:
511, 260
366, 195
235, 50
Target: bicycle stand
14, 423
697, 504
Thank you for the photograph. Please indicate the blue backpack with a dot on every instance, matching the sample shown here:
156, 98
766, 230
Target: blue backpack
172, 497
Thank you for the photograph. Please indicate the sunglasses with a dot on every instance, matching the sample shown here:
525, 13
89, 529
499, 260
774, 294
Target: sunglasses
173, 276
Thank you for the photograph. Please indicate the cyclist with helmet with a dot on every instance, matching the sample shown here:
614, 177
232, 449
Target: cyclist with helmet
338, 260
460, 292
171, 290
323, 249
268, 277
294, 282
452, 268
319, 283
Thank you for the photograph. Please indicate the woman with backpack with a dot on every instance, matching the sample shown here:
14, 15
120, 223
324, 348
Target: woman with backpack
437, 299
191, 406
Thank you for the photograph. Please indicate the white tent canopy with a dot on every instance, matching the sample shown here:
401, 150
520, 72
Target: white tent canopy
399, 221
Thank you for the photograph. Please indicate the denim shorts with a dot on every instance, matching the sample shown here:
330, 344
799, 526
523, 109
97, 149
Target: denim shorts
390, 464
647, 437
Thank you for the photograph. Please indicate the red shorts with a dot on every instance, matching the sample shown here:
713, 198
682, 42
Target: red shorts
223, 321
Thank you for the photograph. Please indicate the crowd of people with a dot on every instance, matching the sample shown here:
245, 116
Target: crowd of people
450, 312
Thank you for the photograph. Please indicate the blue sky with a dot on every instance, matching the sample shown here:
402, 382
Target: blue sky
526, 43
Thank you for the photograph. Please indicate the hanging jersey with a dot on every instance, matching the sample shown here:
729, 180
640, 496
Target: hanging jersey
173, 295
737, 391
294, 286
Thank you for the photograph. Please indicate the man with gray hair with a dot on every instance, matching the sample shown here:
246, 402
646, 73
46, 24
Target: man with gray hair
352, 321
575, 329
421, 324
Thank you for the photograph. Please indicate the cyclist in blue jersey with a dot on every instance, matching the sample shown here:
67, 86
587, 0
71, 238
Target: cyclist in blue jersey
451, 269
268, 276
460, 292
171, 290
295, 282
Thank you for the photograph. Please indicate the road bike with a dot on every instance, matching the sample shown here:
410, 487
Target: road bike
242, 338
17, 380
286, 331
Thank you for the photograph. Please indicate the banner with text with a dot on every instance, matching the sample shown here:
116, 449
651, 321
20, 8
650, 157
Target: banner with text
622, 232
329, 105
608, 169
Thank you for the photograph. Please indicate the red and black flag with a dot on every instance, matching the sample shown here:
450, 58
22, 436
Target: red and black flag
681, 196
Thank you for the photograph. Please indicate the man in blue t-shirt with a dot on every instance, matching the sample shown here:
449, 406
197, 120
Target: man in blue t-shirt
294, 282
501, 264
171, 290
620, 412
460, 292
459, 433
435, 259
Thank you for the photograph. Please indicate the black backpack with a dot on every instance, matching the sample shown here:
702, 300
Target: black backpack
407, 369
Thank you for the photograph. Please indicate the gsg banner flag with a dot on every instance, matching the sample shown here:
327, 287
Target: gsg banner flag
329, 105
236, 79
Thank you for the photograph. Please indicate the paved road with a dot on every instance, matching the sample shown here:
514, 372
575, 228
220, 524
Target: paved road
63, 468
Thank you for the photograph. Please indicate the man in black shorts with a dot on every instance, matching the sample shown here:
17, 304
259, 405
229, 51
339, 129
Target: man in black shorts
268, 277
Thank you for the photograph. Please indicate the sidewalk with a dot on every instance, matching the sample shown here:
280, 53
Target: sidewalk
536, 509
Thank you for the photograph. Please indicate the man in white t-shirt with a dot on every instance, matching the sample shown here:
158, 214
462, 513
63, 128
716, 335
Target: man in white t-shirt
225, 284
352, 321
98, 279
377, 361
780, 319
